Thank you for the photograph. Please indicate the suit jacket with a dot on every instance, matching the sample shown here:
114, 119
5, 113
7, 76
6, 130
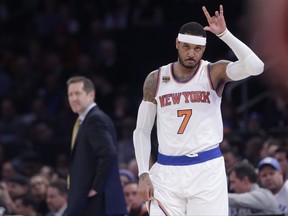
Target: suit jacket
94, 165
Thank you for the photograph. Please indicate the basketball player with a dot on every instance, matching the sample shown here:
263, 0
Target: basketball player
189, 176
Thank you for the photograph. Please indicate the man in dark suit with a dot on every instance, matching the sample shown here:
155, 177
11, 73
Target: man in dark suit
94, 182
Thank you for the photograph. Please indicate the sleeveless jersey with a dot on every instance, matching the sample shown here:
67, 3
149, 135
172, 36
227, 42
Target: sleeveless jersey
189, 117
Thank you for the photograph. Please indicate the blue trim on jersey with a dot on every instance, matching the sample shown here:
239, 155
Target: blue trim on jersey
189, 160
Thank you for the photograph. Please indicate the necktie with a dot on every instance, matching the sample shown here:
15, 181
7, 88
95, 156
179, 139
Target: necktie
75, 131
74, 134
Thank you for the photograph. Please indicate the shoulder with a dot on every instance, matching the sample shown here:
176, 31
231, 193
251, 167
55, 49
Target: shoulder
97, 115
150, 85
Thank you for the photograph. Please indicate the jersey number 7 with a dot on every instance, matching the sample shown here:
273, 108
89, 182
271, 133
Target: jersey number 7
187, 114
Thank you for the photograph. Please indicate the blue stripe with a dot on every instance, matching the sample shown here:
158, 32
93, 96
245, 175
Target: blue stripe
186, 160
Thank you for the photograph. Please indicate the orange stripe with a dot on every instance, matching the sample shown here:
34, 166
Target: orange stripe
162, 208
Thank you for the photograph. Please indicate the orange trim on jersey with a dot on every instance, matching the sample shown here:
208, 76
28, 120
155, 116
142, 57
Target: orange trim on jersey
184, 82
209, 77
162, 208
158, 81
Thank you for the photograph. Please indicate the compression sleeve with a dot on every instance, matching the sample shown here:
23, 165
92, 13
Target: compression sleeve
142, 135
248, 64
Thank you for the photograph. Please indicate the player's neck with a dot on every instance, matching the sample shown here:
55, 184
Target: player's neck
182, 73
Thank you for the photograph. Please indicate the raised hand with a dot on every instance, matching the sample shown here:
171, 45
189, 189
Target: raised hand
217, 24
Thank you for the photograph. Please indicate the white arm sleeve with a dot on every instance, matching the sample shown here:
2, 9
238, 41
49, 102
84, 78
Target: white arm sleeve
142, 135
248, 64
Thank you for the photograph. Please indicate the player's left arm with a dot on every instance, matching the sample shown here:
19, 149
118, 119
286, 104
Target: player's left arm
248, 64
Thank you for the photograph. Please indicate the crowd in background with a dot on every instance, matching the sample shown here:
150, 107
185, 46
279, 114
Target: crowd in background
116, 43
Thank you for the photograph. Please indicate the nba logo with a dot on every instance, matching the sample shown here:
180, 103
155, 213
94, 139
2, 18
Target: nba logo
166, 79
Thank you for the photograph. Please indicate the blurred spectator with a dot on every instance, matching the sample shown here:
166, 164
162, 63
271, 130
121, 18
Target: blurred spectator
2, 155
39, 186
18, 185
118, 15
57, 196
12, 128
46, 20
252, 149
5, 84
109, 63
231, 158
61, 165
254, 122
26, 205
270, 177
43, 140
123, 106
132, 167
229, 117
23, 81
135, 204
48, 173
126, 176
270, 145
126, 150
248, 198
7, 170
281, 154
68, 23
147, 14
38, 112
7, 204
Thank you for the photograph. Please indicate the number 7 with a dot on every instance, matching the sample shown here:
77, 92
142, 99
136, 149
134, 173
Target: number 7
187, 114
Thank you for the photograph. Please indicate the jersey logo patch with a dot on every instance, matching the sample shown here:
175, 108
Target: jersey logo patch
166, 79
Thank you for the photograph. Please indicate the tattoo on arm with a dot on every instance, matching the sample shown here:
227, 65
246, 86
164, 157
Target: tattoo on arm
149, 88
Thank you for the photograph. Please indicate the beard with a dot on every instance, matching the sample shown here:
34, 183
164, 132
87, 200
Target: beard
182, 63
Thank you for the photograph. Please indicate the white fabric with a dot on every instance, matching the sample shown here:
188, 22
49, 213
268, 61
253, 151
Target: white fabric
236, 71
282, 198
196, 190
189, 118
248, 64
142, 135
192, 39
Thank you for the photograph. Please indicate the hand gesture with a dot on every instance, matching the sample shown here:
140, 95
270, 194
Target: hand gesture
217, 24
145, 189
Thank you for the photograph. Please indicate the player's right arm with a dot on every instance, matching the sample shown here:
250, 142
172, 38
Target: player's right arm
142, 135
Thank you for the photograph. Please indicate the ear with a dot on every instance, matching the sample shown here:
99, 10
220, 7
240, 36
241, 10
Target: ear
93, 95
246, 180
177, 43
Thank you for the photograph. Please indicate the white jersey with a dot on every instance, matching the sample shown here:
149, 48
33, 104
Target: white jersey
282, 198
189, 116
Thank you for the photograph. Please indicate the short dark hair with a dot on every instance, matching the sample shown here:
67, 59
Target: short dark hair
88, 85
28, 200
244, 169
193, 28
59, 184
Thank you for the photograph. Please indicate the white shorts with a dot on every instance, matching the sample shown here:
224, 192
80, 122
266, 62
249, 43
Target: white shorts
198, 189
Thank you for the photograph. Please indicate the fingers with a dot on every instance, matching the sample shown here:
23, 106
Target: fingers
217, 13
206, 13
221, 10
